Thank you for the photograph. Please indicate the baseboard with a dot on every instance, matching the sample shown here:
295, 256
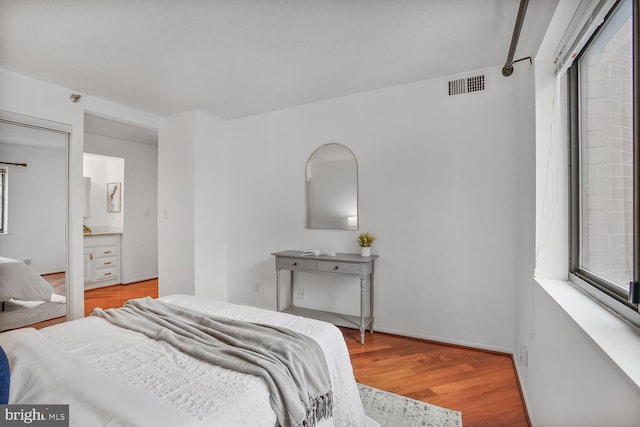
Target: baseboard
523, 392
130, 282
460, 343
102, 284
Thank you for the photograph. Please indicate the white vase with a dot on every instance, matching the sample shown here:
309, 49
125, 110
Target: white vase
365, 251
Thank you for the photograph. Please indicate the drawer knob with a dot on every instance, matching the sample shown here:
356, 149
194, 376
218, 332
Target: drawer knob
295, 263
336, 267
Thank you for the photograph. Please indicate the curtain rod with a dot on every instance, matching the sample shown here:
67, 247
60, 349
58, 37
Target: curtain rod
24, 165
507, 70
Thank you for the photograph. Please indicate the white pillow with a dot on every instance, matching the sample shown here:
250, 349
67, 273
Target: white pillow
19, 281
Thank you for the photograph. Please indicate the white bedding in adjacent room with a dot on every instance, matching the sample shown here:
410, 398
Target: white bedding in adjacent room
18, 281
154, 373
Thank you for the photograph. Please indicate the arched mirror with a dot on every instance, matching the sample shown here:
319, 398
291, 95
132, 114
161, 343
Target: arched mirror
332, 188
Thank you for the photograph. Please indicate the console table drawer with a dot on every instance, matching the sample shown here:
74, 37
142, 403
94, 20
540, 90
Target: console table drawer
294, 264
339, 267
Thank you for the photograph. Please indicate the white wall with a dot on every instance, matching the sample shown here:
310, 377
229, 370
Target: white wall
176, 205
569, 380
102, 170
191, 198
210, 209
37, 212
139, 255
436, 187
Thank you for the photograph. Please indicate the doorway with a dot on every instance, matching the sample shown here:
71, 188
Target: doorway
121, 161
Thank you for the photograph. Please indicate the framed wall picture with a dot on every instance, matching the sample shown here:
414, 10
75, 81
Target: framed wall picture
114, 196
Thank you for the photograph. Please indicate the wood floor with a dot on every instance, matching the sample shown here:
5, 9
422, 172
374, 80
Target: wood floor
57, 280
481, 384
109, 297
116, 295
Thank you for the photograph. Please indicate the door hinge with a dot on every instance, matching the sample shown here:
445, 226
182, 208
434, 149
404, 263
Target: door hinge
634, 292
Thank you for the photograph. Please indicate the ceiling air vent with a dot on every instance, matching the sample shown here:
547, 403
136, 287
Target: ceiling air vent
467, 84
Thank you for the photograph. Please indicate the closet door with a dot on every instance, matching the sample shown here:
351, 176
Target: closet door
34, 210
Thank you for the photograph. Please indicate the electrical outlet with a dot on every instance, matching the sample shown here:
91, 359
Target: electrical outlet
300, 293
524, 356
256, 288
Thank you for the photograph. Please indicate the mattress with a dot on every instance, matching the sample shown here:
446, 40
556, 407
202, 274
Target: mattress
114, 376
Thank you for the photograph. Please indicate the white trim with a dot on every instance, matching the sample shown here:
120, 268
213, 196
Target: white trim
523, 391
22, 120
606, 300
586, 20
617, 338
4, 194
462, 343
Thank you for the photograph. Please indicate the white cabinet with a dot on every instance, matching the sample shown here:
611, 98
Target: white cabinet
88, 264
101, 260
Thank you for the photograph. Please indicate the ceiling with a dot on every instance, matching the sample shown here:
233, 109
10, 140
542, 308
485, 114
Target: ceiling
243, 57
120, 130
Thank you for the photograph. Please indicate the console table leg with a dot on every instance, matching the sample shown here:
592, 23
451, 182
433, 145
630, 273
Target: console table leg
371, 300
291, 286
277, 290
362, 327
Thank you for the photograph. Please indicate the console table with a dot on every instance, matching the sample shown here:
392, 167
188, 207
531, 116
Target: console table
344, 264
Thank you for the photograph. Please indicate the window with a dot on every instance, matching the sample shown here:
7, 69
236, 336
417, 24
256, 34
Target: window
3, 201
605, 225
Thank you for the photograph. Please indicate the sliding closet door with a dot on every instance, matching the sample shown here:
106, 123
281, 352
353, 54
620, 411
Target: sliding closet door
33, 229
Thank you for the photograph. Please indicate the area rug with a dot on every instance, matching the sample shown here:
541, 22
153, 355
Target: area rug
392, 410
16, 316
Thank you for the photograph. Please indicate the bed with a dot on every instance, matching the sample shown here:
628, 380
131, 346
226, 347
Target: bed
110, 375
18, 281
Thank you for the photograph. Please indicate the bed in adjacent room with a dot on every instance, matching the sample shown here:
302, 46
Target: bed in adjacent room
114, 375
25, 296
19, 282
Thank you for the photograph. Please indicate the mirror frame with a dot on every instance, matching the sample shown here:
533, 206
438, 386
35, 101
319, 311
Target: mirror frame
307, 195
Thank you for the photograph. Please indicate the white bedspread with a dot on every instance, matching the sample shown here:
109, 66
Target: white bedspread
43, 373
196, 392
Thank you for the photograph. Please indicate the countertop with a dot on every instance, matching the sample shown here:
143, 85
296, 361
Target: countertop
103, 231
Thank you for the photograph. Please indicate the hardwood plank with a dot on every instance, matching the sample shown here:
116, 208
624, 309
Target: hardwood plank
482, 385
58, 281
116, 295
46, 323
107, 297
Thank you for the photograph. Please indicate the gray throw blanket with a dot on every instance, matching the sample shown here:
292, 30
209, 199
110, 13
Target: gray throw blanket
292, 364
